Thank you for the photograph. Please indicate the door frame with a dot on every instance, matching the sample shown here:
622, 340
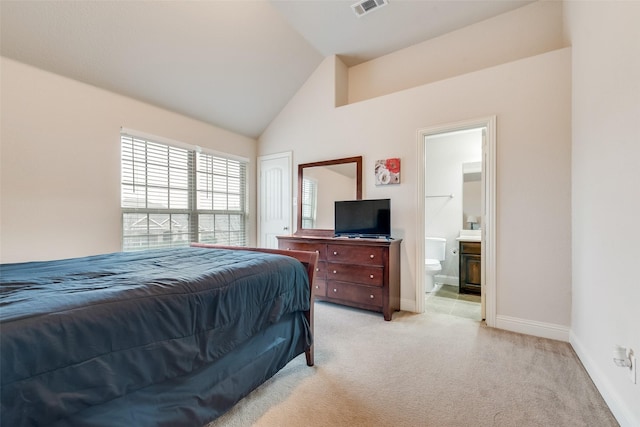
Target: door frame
488, 260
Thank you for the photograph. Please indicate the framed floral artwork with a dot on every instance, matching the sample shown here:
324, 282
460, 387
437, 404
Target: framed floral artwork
387, 171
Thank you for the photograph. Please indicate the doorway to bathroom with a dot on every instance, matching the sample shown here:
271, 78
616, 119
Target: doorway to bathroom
456, 260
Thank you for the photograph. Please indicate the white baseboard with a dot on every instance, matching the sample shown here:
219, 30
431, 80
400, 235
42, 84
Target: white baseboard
447, 280
531, 327
623, 414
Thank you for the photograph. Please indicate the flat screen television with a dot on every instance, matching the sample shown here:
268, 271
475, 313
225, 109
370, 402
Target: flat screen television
363, 218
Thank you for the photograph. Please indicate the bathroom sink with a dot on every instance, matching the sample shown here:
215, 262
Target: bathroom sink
470, 235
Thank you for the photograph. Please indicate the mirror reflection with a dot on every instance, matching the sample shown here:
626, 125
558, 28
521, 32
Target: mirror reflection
321, 187
320, 184
471, 195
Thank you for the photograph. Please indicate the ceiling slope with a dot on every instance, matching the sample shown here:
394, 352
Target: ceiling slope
233, 64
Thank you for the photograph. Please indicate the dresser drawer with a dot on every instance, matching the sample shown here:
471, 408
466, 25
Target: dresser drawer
356, 254
368, 295
320, 248
319, 287
362, 274
321, 269
319, 281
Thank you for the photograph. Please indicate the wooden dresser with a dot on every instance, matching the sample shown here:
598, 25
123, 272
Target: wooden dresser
362, 273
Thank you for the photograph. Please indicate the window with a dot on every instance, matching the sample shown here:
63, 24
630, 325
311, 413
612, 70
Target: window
309, 202
172, 196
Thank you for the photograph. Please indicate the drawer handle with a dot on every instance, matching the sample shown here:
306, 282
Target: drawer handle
288, 249
317, 287
371, 296
335, 272
371, 276
335, 253
317, 252
335, 290
317, 269
371, 256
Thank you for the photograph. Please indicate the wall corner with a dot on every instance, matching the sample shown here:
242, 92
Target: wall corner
341, 83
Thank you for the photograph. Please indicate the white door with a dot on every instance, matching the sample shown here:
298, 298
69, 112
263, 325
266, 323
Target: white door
274, 198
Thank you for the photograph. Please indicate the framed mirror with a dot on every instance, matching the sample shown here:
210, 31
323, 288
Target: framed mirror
320, 184
471, 195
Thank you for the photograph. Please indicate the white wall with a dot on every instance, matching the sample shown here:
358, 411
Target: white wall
60, 165
521, 33
606, 198
531, 99
445, 154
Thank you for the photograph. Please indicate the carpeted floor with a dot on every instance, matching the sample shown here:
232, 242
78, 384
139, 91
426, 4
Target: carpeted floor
424, 370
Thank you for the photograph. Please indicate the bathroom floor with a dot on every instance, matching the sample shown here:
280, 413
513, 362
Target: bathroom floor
446, 299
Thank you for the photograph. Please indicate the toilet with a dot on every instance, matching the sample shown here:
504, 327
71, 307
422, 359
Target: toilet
434, 253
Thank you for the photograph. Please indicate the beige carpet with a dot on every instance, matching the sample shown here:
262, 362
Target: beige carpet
424, 370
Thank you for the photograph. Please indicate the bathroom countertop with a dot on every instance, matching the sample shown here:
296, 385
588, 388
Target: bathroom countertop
469, 236
469, 239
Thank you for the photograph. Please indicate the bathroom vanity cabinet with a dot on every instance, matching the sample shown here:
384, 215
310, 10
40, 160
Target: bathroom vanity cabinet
470, 263
362, 273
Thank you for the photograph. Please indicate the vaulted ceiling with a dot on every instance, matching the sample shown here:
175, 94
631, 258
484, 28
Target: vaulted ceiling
234, 64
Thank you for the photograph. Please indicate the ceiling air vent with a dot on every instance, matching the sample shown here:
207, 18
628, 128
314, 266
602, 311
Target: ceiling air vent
365, 6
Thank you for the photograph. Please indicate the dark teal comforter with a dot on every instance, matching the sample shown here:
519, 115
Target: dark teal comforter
81, 332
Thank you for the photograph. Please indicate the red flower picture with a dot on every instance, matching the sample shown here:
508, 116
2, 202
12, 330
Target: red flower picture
393, 165
387, 171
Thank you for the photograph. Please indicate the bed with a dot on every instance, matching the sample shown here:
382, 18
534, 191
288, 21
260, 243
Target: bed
170, 337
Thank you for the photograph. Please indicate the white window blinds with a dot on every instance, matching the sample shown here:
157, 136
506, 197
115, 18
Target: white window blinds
309, 202
172, 196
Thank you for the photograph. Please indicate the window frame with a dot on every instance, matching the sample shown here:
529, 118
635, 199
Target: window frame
309, 200
236, 232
